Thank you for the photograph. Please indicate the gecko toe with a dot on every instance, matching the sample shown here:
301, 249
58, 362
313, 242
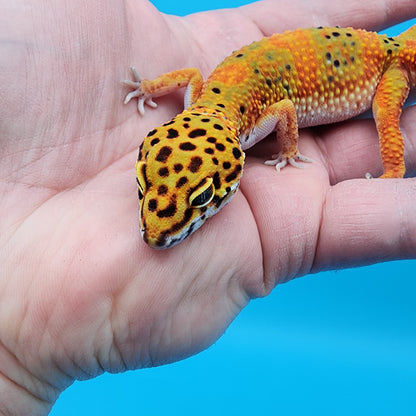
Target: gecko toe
280, 161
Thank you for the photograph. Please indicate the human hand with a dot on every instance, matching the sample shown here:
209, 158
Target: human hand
80, 293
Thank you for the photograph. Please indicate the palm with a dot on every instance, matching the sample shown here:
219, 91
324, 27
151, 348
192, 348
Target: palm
70, 197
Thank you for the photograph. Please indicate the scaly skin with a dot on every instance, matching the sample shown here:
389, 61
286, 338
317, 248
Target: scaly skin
190, 167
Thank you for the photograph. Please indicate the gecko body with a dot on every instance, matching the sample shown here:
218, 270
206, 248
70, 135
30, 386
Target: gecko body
190, 167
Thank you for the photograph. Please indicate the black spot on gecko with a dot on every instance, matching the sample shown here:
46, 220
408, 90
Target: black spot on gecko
226, 165
242, 109
336, 63
152, 205
336, 34
211, 140
257, 71
181, 182
195, 164
177, 167
328, 56
216, 180
330, 78
209, 151
186, 119
152, 132
233, 174
221, 105
144, 174
205, 120
187, 146
163, 154
197, 133
220, 147
215, 161
154, 141
168, 212
288, 67
218, 127
389, 51
163, 172
218, 201
349, 34
328, 37
185, 125
236, 153
169, 123
216, 90
179, 225
240, 55
269, 82
229, 140
162, 190
172, 133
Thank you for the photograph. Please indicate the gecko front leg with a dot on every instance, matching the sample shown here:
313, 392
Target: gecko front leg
145, 90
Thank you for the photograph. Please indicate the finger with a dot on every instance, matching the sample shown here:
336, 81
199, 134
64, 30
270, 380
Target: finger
367, 221
229, 29
287, 209
272, 16
351, 149
306, 226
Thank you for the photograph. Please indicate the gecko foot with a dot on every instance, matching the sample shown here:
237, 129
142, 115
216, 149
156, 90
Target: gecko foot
281, 161
142, 97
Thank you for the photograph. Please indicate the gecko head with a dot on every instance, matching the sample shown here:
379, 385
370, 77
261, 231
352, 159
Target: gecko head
187, 170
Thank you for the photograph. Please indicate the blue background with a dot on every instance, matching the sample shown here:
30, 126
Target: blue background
334, 343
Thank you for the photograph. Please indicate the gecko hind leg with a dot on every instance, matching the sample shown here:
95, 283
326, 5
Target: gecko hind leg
390, 96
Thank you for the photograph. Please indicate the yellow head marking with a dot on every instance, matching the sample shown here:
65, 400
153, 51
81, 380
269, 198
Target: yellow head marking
186, 171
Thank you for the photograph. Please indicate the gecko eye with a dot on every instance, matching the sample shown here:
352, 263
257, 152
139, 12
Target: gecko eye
203, 195
141, 177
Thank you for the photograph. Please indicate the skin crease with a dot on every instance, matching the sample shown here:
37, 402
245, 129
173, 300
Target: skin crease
80, 292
